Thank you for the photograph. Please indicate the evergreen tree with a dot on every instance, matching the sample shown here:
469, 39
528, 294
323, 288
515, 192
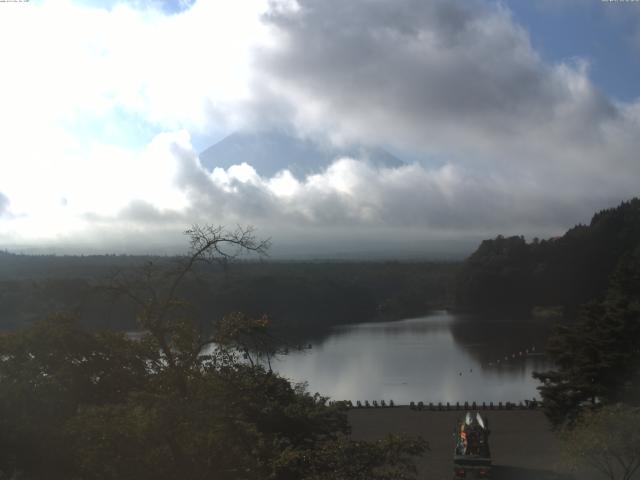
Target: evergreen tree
510, 274
597, 359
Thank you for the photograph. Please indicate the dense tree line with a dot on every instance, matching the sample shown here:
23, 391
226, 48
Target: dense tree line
507, 273
591, 395
597, 357
297, 296
178, 402
81, 405
594, 272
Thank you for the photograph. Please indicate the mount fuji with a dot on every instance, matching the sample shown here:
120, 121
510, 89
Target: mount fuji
270, 152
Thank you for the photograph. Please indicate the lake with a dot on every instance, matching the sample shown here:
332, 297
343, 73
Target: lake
440, 357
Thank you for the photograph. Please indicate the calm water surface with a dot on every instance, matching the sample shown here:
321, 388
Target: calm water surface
440, 357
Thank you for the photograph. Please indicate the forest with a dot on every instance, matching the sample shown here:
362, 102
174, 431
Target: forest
194, 396
297, 296
504, 274
509, 273
177, 401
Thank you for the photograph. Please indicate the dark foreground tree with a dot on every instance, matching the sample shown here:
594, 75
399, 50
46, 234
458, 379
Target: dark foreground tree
597, 359
179, 401
607, 440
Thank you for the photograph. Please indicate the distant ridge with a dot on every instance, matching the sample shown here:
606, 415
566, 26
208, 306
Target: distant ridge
509, 273
270, 152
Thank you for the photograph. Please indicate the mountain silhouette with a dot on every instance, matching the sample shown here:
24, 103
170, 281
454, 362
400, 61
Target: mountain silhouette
270, 152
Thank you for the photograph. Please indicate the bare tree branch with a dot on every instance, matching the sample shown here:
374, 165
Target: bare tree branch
154, 289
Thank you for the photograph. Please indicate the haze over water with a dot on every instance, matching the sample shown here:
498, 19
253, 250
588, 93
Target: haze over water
440, 357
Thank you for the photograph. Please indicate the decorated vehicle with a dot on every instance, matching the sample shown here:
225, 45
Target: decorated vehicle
472, 456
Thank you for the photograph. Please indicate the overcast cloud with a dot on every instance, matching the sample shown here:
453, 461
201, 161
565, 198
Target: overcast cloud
457, 80
505, 142
4, 204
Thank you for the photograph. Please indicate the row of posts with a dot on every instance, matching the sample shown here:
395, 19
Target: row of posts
366, 404
526, 405
440, 407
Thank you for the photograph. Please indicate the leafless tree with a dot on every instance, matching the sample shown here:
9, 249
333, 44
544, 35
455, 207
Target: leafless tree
155, 291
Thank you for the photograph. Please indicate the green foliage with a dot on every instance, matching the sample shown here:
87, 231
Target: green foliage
496, 275
388, 459
597, 359
511, 274
606, 439
299, 297
101, 406
46, 374
248, 335
177, 402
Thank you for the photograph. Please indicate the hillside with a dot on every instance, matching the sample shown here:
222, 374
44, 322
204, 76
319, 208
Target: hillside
511, 274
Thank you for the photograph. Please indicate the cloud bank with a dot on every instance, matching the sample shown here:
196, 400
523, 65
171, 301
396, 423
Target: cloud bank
502, 141
4, 204
456, 80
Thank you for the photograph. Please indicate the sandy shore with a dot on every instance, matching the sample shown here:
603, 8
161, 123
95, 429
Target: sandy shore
523, 447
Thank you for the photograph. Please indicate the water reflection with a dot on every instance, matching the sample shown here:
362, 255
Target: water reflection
436, 358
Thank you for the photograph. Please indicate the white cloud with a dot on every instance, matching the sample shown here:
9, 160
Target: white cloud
85, 88
4, 204
67, 64
97, 104
143, 201
460, 82
447, 78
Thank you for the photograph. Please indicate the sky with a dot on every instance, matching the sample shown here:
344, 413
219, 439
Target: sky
512, 117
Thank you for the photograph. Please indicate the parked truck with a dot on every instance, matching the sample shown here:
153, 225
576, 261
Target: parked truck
472, 456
